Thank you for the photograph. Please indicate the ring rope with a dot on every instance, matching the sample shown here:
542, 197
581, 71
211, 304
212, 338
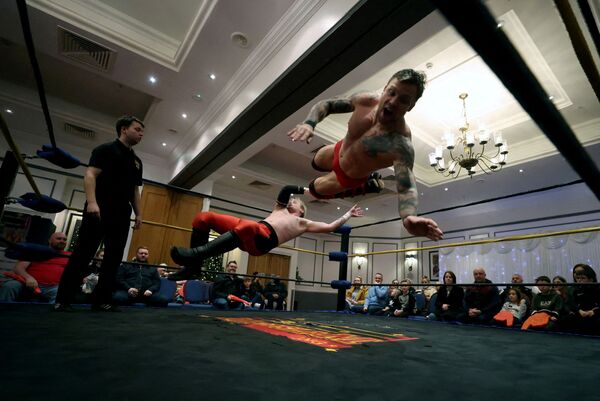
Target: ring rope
475, 203
483, 241
15, 149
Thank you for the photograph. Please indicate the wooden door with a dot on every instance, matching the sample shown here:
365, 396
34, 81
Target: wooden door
270, 264
160, 205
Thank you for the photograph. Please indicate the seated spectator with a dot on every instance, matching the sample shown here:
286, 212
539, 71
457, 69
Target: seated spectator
248, 293
547, 304
139, 283
275, 294
393, 286
584, 311
401, 302
515, 306
377, 297
449, 301
225, 286
428, 292
355, 295
482, 302
525, 291
44, 275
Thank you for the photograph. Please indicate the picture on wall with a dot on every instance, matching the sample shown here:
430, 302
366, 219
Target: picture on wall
434, 266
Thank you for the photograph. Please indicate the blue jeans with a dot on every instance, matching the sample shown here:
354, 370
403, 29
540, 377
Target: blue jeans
13, 290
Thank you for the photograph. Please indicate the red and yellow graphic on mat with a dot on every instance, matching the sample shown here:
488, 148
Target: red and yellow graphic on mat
330, 337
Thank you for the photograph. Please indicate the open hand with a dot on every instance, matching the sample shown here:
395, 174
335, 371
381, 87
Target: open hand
422, 227
356, 211
302, 132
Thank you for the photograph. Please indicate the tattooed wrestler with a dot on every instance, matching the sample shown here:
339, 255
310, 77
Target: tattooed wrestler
377, 137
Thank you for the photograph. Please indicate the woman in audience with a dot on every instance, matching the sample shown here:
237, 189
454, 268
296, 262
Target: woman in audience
449, 301
584, 311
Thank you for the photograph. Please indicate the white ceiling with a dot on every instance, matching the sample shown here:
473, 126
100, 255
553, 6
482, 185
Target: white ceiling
182, 42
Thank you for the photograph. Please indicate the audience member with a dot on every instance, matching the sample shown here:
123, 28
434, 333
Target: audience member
513, 310
428, 292
355, 295
546, 307
275, 294
401, 302
449, 301
225, 286
137, 282
248, 293
44, 275
584, 316
393, 286
377, 297
482, 302
525, 291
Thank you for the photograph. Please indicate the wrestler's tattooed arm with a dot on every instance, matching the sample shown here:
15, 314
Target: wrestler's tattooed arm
326, 107
406, 185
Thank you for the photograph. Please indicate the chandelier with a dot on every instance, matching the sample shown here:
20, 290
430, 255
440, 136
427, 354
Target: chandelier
473, 152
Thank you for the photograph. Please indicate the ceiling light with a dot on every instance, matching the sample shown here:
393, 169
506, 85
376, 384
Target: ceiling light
183, 115
197, 96
500, 24
521, 170
233, 177
212, 76
9, 111
468, 155
550, 97
152, 79
164, 144
445, 189
367, 208
239, 39
338, 208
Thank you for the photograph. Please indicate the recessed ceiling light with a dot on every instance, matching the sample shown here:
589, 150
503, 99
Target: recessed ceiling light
338, 208
183, 115
366, 208
164, 144
9, 111
521, 170
445, 189
212, 76
197, 96
152, 79
233, 177
422, 194
500, 24
239, 39
550, 97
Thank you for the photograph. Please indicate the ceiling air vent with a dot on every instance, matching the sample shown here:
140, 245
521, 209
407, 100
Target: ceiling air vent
259, 184
79, 131
84, 51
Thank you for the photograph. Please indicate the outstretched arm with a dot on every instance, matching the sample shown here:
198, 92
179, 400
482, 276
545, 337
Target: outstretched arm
321, 227
305, 131
408, 201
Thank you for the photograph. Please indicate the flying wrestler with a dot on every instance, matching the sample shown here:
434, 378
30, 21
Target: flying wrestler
377, 137
257, 238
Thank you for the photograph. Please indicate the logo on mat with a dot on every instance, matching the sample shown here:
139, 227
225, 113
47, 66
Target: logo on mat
329, 336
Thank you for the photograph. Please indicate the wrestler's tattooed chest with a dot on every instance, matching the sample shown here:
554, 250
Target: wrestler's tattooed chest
388, 144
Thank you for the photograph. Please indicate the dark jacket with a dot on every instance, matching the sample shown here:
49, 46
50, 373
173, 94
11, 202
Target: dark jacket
226, 285
275, 288
454, 299
484, 298
138, 276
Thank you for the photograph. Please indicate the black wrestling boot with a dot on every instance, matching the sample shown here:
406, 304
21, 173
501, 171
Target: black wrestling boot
193, 257
373, 185
199, 238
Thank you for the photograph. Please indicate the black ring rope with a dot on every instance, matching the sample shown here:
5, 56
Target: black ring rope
476, 24
476, 203
588, 17
23, 15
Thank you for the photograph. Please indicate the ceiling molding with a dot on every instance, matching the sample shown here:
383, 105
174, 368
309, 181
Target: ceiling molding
124, 30
291, 23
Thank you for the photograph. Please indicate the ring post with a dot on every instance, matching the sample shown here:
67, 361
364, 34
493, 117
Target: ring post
341, 298
8, 173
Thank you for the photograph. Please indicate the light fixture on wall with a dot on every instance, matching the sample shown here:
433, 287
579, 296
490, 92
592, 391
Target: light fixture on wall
410, 261
360, 261
473, 152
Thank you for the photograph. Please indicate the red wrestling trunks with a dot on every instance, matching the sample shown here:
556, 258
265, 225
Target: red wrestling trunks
257, 238
342, 178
